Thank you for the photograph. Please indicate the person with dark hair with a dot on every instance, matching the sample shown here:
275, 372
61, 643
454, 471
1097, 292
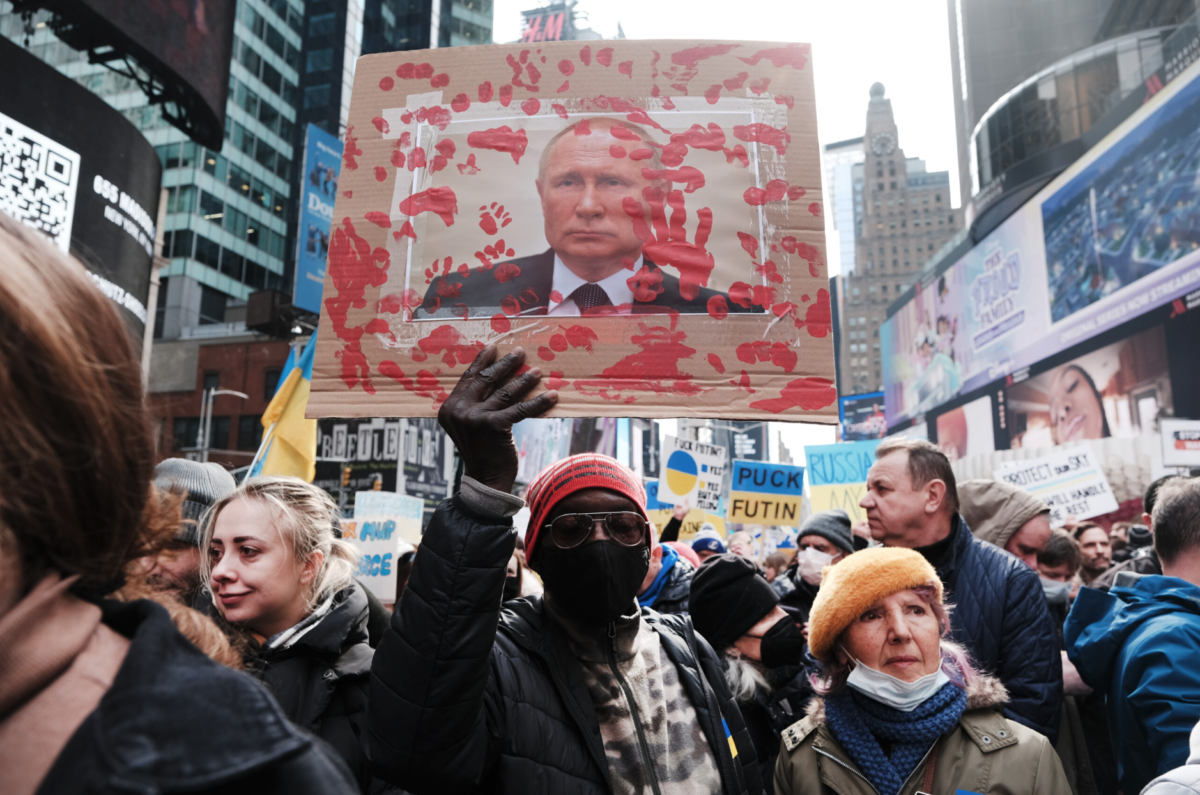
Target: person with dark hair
1076, 407
1094, 550
901, 707
761, 647
1059, 560
911, 501
97, 695
1143, 559
1137, 645
580, 691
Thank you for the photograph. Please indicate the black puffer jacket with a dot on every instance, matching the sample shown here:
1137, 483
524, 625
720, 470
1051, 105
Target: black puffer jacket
175, 721
467, 696
768, 714
1001, 616
322, 680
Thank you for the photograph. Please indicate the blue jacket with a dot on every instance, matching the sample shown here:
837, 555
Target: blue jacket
1001, 616
1140, 646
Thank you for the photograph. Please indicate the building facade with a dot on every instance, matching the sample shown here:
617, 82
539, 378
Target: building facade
843, 193
902, 216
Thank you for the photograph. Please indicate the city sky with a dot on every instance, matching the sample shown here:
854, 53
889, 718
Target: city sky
905, 46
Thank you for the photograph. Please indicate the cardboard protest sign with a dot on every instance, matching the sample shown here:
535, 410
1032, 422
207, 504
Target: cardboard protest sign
766, 493
660, 513
382, 523
837, 475
691, 471
1069, 480
1180, 441
599, 204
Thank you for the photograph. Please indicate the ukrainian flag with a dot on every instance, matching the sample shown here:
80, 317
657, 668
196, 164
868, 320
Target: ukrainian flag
289, 445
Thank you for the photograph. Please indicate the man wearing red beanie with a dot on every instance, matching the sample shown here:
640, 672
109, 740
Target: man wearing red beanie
578, 691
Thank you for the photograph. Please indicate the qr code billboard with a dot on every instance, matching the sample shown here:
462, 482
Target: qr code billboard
38, 178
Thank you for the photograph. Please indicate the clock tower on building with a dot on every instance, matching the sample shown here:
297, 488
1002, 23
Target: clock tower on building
902, 216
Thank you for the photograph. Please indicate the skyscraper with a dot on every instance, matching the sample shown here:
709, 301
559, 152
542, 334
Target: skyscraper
843, 183
903, 218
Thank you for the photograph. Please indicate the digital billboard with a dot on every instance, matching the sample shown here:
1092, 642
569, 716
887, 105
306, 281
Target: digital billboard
862, 417
75, 169
322, 164
186, 46
1113, 237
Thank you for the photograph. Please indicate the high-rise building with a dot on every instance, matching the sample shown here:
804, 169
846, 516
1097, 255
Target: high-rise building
425, 24
904, 217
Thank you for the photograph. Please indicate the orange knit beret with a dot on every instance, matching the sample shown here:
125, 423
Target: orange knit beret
858, 581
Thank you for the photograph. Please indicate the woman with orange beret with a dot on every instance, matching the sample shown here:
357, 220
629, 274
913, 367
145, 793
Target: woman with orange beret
901, 710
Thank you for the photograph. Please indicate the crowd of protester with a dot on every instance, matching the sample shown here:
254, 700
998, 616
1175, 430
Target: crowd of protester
165, 629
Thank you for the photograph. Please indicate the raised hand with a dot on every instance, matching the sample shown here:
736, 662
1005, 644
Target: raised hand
480, 412
667, 243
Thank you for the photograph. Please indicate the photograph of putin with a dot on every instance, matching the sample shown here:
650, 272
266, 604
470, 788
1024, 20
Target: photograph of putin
595, 258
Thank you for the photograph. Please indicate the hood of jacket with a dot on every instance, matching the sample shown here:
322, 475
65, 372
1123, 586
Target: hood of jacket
342, 629
983, 692
1101, 623
995, 511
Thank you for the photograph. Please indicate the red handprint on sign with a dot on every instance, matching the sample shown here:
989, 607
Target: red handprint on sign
667, 243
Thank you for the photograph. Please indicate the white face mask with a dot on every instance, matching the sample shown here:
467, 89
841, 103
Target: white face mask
896, 693
809, 564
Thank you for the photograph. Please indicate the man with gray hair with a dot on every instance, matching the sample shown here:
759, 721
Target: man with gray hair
590, 176
1000, 613
1138, 644
176, 568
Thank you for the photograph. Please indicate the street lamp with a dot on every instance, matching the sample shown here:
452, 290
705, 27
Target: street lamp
203, 441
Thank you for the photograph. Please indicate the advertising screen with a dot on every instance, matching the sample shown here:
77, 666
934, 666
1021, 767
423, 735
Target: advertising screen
322, 163
1118, 390
79, 172
862, 417
178, 41
967, 430
1110, 239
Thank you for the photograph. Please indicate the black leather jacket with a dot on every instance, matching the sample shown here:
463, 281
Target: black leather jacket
175, 721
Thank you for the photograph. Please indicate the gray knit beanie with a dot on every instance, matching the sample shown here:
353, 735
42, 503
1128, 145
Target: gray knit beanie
834, 526
201, 484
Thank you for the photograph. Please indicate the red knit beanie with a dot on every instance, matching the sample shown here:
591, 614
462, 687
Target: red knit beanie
583, 471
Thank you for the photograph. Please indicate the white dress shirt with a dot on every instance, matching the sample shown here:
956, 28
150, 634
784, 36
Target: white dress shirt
566, 282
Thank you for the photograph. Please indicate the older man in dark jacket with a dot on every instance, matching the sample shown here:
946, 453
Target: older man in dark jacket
1000, 611
580, 692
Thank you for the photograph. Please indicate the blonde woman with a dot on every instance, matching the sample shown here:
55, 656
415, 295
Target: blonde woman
276, 569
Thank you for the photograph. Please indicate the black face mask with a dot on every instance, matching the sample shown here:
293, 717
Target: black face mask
512, 587
782, 645
594, 582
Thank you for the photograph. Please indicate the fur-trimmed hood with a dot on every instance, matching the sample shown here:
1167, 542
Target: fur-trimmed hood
983, 692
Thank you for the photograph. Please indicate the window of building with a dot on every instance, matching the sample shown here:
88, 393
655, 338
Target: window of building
250, 431
212, 380
181, 243
949, 219
219, 433
184, 432
270, 381
232, 264
937, 197
208, 253
236, 222
319, 60
272, 78
322, 25
316, 96
161, 311
212, 208
212, 306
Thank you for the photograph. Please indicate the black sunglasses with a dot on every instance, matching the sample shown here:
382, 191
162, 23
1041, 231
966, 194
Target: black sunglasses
627, 528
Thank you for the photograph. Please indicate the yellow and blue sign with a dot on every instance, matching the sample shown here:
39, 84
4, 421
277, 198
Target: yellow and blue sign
660, 513
765, 493
837, 475
691, 471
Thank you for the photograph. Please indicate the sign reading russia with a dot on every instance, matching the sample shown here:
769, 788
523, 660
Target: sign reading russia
691, 471
837, 475
764, 493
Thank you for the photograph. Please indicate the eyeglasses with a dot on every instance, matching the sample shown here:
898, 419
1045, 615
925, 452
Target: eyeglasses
627, 528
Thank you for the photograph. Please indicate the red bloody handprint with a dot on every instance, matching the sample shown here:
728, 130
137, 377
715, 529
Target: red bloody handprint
667, 243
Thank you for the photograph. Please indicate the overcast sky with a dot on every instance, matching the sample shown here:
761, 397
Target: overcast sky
904, 45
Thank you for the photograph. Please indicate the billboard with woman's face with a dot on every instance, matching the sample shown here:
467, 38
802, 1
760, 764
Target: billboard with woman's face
1117, 390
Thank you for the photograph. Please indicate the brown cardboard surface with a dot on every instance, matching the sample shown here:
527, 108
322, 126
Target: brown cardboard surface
452, 209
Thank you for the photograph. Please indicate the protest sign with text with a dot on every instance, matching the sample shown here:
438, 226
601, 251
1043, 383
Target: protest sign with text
383, 521
660, 513
1068, 480
1180, 441
691, 471
837, 475
458, 224
764, 493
